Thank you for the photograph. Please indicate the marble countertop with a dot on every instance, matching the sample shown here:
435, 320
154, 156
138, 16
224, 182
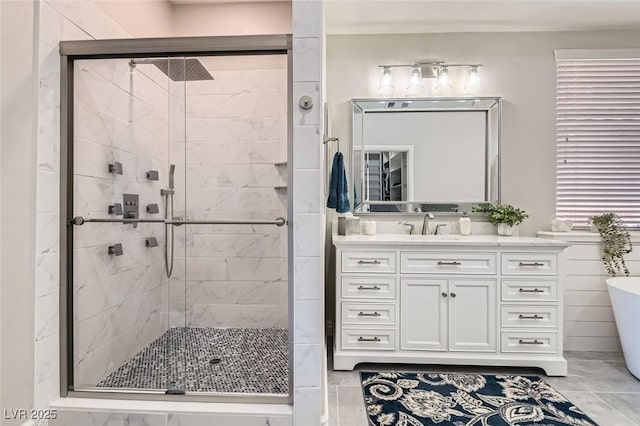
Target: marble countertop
447, 239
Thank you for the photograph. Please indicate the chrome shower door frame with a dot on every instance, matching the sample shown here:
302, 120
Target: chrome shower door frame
70, 51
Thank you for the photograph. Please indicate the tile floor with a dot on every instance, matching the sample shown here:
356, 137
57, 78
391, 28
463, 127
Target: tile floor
598, 383
204, 359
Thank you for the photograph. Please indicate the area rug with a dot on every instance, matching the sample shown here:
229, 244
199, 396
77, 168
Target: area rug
422, 399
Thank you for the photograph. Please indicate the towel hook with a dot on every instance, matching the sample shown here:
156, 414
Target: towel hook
332, 139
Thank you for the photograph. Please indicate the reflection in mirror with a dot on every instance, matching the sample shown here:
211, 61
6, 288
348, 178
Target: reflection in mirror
387, 174
419, 155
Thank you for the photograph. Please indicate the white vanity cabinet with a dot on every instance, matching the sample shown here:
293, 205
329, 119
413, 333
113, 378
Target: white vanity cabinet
479, 300
444, 314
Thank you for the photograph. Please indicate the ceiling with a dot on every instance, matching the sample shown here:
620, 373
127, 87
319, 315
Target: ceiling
425, 16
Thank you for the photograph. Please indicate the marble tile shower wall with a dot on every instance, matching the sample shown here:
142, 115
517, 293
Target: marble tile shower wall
58, 20
119, 301
226, 157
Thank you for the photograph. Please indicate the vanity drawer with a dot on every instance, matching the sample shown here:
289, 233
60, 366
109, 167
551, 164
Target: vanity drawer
373, 287
369, 261
529, 290
530, 341
529, 316
368, 313
447, 263
529, 264
361, 338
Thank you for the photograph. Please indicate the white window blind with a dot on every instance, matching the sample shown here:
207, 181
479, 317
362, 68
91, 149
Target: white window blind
598, 134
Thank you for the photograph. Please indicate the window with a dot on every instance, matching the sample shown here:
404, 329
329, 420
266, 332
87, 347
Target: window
598, 134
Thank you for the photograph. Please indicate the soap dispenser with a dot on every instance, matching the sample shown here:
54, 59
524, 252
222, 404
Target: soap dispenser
465, 224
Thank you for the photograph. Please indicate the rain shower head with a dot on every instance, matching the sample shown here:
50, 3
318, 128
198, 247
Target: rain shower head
178, 69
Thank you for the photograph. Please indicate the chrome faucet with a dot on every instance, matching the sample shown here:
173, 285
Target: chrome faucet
425, 223
410, 225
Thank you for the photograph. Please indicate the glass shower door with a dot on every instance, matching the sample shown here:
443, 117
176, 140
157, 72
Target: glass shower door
235, 170
179, 246
120, 162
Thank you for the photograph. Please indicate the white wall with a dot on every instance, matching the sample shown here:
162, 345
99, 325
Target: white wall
166, 19
18, 178
519, 67
158, 16
588, 316
232, 19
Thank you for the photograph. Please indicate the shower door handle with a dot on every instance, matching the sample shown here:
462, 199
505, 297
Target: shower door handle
79, 220
279, 221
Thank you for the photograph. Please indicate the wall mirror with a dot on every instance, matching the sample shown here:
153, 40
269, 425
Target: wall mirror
425, 155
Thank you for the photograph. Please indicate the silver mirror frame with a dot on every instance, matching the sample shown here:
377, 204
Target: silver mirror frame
487, 104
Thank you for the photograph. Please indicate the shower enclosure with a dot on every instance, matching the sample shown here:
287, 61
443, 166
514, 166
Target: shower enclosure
175, 240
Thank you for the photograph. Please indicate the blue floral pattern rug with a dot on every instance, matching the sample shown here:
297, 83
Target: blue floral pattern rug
421, 399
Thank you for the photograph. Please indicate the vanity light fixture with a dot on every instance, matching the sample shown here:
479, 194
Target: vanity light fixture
416, 77
429, 69
386, 79
443, 77
472, 77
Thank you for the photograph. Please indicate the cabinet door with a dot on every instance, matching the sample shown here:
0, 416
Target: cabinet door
423, 314
472, 314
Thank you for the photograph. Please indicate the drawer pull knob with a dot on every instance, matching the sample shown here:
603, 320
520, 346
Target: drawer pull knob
531, 264
364, 339
453, 294
533, 290
444, 294
533, 317
529, 342
364, 314
369, 287
368, 262
453, 263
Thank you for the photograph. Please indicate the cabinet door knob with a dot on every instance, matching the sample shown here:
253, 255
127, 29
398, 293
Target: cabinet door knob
444, 294
453, 294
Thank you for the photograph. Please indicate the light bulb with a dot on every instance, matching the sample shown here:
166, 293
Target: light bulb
473, 79
443, 76
416, 77
386, 79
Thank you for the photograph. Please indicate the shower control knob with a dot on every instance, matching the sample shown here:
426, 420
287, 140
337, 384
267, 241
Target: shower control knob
306, 103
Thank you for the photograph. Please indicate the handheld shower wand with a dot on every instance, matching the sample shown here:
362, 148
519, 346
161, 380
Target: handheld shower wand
172, 171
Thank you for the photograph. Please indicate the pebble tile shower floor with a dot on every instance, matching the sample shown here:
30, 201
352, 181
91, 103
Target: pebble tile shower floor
251, 361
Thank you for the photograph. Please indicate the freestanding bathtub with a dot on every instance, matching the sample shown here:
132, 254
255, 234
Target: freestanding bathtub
625, 299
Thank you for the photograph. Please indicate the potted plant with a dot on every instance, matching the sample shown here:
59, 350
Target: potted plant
616, 242
504, 216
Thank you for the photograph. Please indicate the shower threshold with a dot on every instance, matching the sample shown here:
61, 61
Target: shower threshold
209, 360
